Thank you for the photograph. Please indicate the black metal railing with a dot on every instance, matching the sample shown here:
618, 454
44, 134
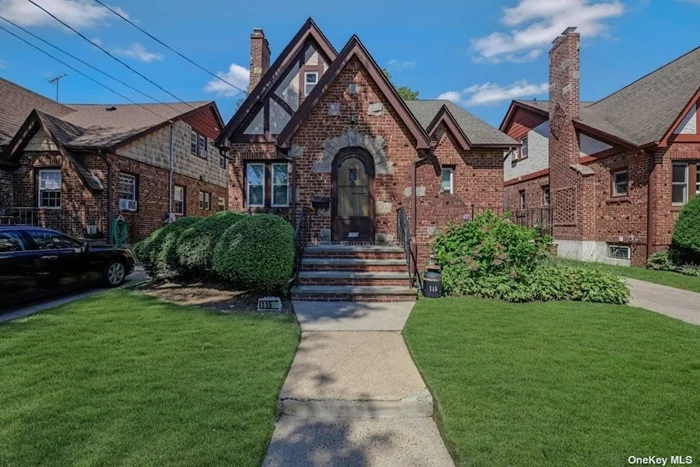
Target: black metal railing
302, 237
77, 223
403, 236
540, 218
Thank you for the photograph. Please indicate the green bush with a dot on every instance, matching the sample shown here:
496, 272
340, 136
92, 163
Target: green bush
195, 247
257, 253
686, 233
157, 252
491, 257
663, 261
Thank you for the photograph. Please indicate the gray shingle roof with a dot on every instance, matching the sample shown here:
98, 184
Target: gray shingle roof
478, 131
643, 111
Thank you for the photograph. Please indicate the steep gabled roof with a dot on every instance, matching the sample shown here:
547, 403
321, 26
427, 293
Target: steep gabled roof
478, 132
355, 48
444, 116
275, 73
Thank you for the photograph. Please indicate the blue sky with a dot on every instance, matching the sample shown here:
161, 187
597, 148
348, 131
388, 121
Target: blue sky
478, 53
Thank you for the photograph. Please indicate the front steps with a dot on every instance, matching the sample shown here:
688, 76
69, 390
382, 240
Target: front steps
367, 273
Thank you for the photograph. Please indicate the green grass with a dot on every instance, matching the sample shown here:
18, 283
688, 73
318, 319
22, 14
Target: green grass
671, 279
559, 383
124, 379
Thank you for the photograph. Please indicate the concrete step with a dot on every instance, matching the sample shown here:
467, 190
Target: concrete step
353, 293
354, 251
354, 264
353, 278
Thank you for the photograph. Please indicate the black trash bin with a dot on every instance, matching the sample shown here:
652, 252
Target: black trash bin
432, 284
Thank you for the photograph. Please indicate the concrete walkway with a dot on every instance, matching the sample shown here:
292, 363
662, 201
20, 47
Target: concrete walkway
676, 303
353, 396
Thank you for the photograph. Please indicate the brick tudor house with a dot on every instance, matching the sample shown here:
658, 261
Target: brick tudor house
616, 171
76, 167
325, 131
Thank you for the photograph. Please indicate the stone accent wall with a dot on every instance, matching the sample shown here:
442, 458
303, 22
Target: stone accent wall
154, 149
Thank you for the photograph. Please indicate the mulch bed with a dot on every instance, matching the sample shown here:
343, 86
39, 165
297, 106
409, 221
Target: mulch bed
210, 295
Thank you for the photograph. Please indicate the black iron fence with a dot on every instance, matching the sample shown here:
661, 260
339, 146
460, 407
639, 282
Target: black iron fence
302, 237
79, 223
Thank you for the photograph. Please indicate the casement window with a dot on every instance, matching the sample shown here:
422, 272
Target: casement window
546, 199
49, 183
179, 200
310, 80
127, 187
523, 199
205, 200
524, 148
685, 182
198, 144
619, 252
221, 205
448, 179
280, 185
255, 185
620, 183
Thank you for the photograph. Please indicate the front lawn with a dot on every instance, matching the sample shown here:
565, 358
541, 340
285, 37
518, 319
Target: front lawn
671, 279
124, 379
558, 383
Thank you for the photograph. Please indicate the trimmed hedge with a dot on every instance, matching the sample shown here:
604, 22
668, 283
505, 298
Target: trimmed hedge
492, 257
257, 253
686, 233
157, 252
195, 247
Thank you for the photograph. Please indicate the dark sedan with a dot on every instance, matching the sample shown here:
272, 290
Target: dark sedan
36, 262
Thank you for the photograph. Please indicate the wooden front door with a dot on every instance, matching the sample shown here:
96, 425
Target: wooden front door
353, 206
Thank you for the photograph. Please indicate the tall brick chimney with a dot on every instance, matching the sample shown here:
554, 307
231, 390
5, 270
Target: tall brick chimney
564, 107
259, 57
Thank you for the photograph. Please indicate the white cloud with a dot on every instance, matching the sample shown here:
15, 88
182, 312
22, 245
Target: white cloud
139, 52
97, 41
77, 13
489, 93
3, 64
236, 75
697, 2
394, 63
541, 21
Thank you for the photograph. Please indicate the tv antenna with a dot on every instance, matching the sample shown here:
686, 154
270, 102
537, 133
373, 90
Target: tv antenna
55, 80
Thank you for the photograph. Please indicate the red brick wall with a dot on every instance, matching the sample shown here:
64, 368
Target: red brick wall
533, 193
5, 188
259, 57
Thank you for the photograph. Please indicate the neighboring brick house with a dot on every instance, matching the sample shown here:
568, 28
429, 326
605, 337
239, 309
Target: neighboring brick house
78, 167
328, 131
616, 171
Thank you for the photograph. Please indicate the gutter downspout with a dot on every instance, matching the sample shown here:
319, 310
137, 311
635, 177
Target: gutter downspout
650, 205
172, 166
109, 196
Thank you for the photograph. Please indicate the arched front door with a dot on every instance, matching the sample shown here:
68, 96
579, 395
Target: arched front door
353, 202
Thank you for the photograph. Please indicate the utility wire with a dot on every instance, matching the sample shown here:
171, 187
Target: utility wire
108, 53
85, 63
79, 72
170, 48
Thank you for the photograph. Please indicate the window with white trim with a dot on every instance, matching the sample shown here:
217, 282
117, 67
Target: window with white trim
198, 144
194, 138
222, 161
255, 185
49, 183
679, 184
310, 80
280, 185
523, 199
448, 178
620, 183
205, 200
179, 200
221, 205
619, 252
524, 148
546, 198
127, 187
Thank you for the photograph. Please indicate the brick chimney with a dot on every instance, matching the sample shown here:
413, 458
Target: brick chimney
564, 107
259, 57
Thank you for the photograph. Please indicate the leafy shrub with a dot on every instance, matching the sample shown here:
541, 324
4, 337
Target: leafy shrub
491, 257
157, 252
686, 234
662, 261
257, 252
690, 270
195, 247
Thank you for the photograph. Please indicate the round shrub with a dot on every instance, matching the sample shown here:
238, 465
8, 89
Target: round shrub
195, 247
157, 252
686, 234
257, 253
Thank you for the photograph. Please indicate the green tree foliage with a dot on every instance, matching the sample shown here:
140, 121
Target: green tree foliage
405, 92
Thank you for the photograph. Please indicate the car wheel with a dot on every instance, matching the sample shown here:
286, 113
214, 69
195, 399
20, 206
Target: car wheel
114, 274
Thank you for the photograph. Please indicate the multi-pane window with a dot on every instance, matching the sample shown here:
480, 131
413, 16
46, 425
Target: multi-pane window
205, 200
221, 205
127, 187
280, 184
310, 80
546, 200
620, 183
255, 185
679, 188
49, 183
198, 144
448, 178
523, 199
524, 148
179, 200
222, 161
194, 138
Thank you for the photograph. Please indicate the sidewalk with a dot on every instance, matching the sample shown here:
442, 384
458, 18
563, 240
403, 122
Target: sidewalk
353, 396
676, 303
